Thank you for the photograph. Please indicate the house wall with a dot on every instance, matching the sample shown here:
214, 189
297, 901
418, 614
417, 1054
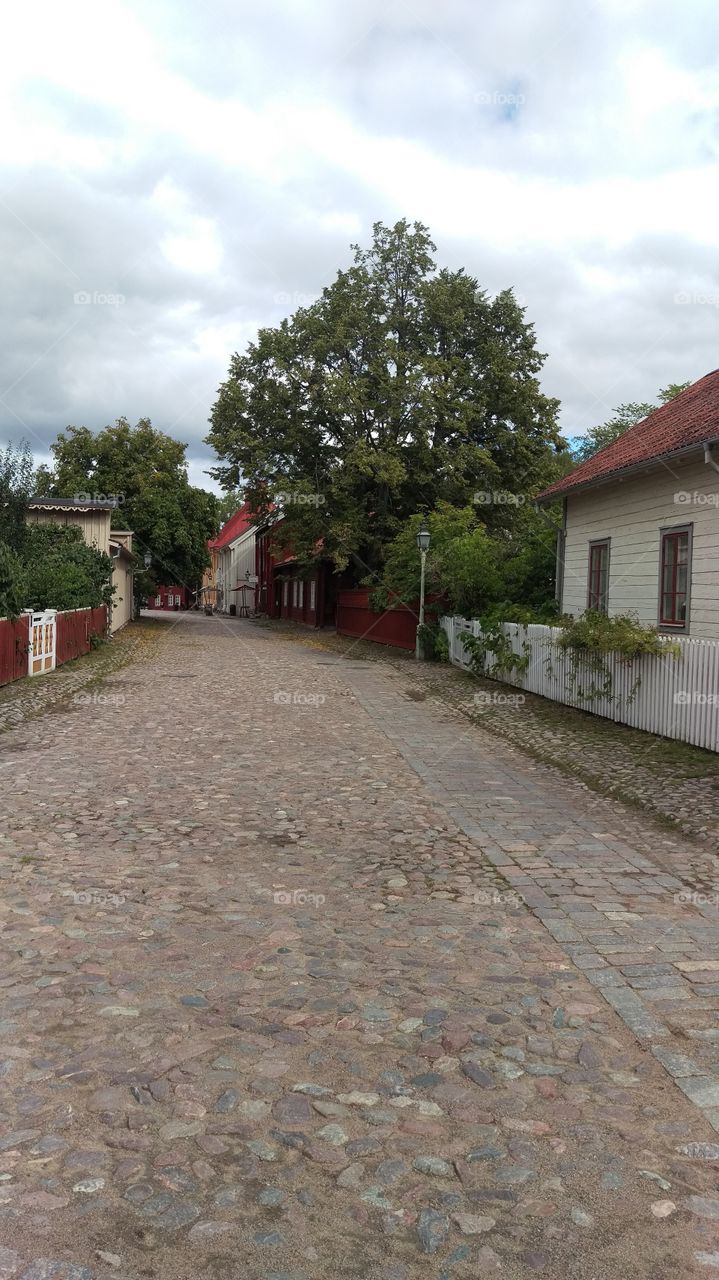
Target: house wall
122, 581
95, 525
238, 565
631, 513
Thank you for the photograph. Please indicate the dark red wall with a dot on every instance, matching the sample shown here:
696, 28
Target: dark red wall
396, 626
14, 638
164, 592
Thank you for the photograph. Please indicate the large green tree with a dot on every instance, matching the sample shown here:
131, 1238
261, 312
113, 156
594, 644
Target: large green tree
146, 471
624, 417
403, 385
16, 487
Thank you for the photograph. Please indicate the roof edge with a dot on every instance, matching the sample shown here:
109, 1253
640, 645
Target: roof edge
552, 495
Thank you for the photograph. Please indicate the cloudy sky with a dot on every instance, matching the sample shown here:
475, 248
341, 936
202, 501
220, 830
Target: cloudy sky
174, 175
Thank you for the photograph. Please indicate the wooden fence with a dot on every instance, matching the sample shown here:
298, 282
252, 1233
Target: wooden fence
38, 642
675, 697
396, 626
75, 629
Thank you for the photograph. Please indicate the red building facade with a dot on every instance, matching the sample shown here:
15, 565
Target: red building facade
169, 598
285, 590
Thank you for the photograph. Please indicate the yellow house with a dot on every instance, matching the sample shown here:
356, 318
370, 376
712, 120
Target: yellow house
92, 517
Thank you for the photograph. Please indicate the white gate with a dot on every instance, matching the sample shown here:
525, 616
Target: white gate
41, 651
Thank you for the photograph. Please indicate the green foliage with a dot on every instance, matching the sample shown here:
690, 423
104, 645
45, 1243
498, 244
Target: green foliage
593, 635
473, 568
147, 471
60, 571
11, 583
622, 633
625, 416
403, 386
16, 486
493, 640
433, 642
228, 504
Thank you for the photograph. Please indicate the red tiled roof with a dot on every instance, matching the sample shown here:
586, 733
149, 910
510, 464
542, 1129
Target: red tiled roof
237, 524
690, 419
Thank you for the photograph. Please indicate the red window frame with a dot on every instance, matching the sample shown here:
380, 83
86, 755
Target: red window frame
598, 582
675, 577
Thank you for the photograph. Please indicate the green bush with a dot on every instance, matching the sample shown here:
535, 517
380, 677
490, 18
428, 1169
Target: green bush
623, 633
11, 583
61, 571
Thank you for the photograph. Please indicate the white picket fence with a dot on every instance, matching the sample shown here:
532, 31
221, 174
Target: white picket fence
675, 697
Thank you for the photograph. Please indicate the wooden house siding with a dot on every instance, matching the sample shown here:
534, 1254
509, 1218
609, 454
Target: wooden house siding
632, 513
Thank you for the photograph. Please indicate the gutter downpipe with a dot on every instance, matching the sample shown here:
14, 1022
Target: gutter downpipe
709, 460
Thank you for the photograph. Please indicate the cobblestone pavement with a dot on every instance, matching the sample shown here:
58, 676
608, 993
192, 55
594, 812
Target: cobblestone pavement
673, 781
32, 696
272, 1005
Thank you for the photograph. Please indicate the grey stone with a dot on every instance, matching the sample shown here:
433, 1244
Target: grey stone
432, 1229
433, 1165
703, 1207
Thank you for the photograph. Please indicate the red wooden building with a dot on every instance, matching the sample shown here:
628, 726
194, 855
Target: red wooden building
287, 590
169, 598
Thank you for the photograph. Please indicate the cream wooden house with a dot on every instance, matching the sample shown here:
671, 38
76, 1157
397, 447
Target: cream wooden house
640, 529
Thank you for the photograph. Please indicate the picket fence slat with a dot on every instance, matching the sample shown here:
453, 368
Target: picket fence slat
674, 697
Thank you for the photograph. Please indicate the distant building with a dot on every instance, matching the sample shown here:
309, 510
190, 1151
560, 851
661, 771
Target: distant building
169, 598
230, 579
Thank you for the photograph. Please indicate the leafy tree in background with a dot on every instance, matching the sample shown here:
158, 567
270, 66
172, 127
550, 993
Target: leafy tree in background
147, 471
16, 488
400, 387
228, 504
472, 567
625, 416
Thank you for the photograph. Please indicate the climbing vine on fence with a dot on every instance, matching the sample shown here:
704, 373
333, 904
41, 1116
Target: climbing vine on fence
591, 638
494, 640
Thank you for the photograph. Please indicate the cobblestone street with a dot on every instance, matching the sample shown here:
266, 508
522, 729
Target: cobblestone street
303, 977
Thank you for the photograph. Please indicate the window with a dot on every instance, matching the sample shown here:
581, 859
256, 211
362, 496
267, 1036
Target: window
598, 589
313, 595
158, 602
285, 593
294, 592
300, 594
675, 577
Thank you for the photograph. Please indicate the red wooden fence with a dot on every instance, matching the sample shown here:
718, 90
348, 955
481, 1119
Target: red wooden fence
14, 638
73, 632
396, 626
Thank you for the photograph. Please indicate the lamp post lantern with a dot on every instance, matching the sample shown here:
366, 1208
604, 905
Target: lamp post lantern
423, 544
148, 559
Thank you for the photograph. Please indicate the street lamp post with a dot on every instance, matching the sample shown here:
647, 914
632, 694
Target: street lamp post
148, 559
423, 544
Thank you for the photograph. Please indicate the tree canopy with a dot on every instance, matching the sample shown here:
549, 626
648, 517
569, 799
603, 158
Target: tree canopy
146, 471
625, 416
471, 567
401, 386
